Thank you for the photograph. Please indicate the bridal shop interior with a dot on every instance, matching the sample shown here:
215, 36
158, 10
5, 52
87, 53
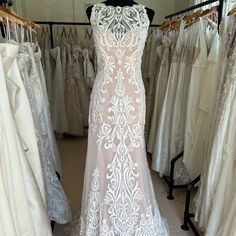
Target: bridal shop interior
117, 118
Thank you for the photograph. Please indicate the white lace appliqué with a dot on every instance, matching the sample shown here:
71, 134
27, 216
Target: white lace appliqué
119, 20
124, 211
117, 203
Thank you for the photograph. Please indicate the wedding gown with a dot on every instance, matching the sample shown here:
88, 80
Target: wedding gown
78, 77
57, 203
154, 67
15, 212
89, 73
59, 121
212, 193
74, 111
161, 154
48, 75
22, 114
192, 151
118, 195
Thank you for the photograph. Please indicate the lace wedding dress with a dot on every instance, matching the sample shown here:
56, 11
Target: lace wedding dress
118, 195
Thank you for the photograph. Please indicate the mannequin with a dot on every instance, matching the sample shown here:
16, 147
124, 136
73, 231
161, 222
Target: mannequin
122, 3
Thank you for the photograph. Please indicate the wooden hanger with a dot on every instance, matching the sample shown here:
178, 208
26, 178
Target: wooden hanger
194, 15
171, 25
11, 16
209, 12
175, 24
192, 19
205, 14
7, 17
232, 12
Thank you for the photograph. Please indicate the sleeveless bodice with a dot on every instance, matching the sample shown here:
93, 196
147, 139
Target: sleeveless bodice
120, 34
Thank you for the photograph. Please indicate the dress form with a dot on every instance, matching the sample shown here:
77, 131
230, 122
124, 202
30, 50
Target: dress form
122, 3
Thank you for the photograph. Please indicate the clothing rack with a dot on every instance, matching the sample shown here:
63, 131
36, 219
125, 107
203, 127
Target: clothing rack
51, 24
170, 180
200, 5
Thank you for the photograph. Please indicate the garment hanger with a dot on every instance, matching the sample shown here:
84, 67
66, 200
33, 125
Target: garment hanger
27, 23
70, 33
63, 32
168, 25
232, 12
209, 12
6, 12
64, 35
193, 16
30, 24
4, 15
175, 23
88, 34
203, 14
70, 36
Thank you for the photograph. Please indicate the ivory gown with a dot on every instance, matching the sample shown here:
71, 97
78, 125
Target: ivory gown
118, 196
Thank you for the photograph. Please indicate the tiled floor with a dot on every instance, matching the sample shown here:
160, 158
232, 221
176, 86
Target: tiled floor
73, 155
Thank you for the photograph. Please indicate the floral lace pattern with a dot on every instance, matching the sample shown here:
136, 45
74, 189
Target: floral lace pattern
118, 199
57, 204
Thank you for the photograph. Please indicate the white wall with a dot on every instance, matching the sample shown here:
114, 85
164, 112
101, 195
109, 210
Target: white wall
182, 4
75, 10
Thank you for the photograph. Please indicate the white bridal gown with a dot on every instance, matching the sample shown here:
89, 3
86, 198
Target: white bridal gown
118, 194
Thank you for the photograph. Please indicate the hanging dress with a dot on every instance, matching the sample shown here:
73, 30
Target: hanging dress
48, 73
193, 153
89, 73
118, 195
57, 203
46, 107
59, 121
161, 155
74, 111
224, 153
226, 182
161, 83
215, 147
153, 69
178, 119
15, 212
78, 76
22, 114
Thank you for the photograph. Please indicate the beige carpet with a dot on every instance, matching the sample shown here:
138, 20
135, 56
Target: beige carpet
73, 155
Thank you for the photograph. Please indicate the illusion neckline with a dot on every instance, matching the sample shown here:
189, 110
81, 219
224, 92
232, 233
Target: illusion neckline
124, 7
115, 7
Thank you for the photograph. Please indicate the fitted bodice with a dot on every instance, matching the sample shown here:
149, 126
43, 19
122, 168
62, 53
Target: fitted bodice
118, 196
119, 34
